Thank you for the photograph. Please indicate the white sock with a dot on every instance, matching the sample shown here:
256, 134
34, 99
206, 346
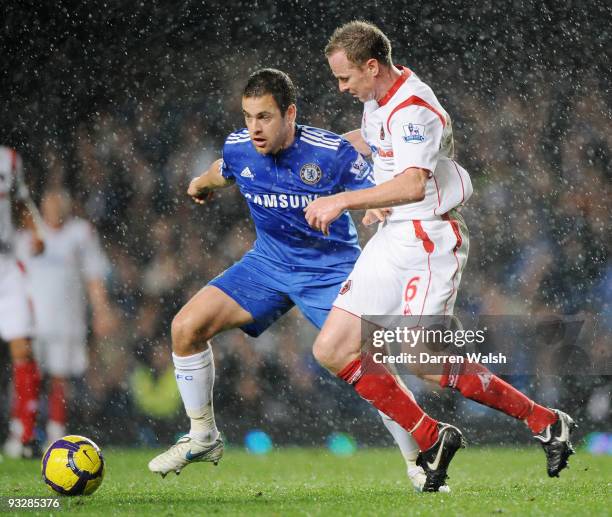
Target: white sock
55, 431
404, 440
195, 377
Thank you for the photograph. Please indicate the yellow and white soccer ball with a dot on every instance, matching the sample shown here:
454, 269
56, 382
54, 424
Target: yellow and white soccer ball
73, 465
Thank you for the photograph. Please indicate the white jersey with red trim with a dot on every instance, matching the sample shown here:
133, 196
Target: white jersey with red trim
11, 181
15, 311
57, 278
409, 128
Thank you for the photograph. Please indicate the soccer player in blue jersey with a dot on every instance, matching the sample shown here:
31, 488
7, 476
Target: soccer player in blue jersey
279, 167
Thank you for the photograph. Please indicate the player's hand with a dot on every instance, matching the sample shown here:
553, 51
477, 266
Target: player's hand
376, 215
198, 193
324, 211
37, 245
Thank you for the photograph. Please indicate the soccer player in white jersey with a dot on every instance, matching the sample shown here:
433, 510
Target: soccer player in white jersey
413, 264
61, 280
16, 319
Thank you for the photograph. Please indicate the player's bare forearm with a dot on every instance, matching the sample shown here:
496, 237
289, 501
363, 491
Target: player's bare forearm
98, 297
357, 141
102, 312
212, 179
407, 187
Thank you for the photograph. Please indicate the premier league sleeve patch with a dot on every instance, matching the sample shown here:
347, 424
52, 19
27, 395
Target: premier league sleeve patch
414, 133
311, 173
360, 168
226, 171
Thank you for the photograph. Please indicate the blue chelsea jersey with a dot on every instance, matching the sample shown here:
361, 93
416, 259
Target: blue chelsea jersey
278, 187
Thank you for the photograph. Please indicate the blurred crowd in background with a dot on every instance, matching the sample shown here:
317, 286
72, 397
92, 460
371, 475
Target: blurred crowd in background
537, 142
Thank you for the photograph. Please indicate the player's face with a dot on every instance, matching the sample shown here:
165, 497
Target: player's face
53, 209
269, 130
354, 79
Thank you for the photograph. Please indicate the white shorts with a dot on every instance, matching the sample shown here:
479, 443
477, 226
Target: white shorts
61, 355
16, 315
408, 268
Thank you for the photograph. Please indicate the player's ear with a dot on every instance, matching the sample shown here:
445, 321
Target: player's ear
291, 113
372, 66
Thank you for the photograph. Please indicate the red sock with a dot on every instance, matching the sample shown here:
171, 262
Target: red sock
476, 382
376, 385
26, 380
16, 405
57, 402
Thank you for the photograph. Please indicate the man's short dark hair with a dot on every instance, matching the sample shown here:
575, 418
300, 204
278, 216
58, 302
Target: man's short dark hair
360, 41
269, 81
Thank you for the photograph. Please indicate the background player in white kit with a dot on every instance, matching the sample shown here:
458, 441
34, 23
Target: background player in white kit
413, 264
61, 280
16, 319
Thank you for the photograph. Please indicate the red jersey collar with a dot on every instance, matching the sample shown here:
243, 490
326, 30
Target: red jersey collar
396, 85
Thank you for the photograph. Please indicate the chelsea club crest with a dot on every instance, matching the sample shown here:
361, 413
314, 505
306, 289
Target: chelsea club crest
311, 173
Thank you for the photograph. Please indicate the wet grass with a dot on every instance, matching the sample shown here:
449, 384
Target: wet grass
484, 481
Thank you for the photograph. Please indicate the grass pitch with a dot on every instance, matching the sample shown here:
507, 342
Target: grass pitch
314, 482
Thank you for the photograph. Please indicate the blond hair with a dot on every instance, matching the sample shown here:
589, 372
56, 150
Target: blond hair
360, 41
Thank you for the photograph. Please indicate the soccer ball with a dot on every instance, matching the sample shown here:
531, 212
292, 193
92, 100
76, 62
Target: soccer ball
73, 465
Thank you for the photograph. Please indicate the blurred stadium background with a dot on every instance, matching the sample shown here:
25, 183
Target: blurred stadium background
124, 105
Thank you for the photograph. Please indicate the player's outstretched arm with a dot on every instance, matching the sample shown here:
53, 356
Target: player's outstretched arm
356, 140
200, 188
407, 187
104, 319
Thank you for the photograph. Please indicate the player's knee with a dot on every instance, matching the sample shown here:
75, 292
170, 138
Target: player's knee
321, 352
21, 349
329, 353
189, 334
179, 331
